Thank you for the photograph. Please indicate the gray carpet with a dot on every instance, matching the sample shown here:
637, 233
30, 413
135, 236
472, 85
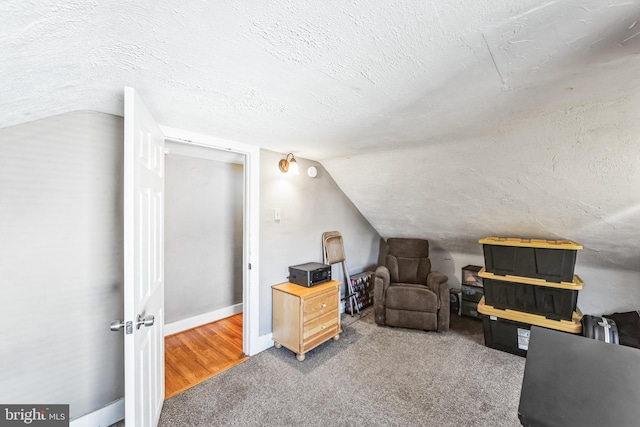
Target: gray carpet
373, 376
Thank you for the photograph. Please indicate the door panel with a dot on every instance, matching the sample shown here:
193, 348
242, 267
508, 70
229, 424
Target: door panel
144, 264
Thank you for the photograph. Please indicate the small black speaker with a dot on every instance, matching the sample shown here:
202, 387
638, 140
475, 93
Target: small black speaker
454, 301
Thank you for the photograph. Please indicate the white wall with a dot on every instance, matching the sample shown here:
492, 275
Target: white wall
203, 235
309, 207
573, 173
61, 268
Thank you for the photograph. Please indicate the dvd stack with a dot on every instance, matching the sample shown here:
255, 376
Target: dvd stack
528, 282
362, 284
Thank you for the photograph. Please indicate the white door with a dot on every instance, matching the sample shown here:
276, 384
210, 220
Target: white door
143, 263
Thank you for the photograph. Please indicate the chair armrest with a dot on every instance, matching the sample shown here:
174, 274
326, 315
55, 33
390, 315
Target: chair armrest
381, 283
435, 279
438, 283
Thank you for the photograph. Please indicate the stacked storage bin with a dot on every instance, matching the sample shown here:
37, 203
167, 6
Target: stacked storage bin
471, 291
528, 282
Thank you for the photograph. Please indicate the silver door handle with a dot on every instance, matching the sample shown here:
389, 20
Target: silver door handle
147, 320
116, 325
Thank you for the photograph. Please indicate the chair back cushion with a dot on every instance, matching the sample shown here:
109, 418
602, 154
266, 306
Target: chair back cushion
408, 260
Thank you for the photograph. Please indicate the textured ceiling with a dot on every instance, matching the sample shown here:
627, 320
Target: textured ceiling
423, 96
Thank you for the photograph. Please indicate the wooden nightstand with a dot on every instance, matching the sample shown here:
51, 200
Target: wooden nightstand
304, 318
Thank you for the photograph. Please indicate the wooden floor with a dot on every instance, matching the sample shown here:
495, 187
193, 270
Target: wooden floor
197, 354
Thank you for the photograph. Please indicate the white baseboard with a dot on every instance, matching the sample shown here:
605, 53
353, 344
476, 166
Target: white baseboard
103, 417
201, 319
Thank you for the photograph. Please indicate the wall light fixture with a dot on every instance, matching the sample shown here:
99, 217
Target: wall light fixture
289, 164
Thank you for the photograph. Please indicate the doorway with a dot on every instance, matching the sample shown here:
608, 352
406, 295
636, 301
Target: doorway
251, 342
204, 245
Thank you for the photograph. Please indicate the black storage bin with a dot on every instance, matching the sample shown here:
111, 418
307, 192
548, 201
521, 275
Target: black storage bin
470, 275
507, 330
471, 293
551, 302
470, 309
506, 335
552, 260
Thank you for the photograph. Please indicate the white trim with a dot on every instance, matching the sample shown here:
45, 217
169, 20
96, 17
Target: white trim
251, 323
251, 342
180, 135
201, 319
264, 342
103, 417
197, 151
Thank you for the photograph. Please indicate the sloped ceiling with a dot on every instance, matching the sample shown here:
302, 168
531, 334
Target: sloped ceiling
447, 120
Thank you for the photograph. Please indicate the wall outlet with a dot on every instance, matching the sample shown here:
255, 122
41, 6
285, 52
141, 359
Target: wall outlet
276, 214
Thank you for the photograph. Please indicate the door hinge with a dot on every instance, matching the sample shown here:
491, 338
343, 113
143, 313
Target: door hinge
249, 266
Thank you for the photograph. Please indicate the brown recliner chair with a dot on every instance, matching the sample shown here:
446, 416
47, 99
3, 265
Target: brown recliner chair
407, 293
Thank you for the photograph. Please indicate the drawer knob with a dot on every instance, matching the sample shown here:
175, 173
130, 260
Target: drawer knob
324, 305
322, 327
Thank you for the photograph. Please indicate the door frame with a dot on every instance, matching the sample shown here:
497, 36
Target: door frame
251, 244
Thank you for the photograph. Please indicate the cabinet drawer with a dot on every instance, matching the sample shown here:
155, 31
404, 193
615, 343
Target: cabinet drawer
320, 304
472, 293
320, 324
320, 337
